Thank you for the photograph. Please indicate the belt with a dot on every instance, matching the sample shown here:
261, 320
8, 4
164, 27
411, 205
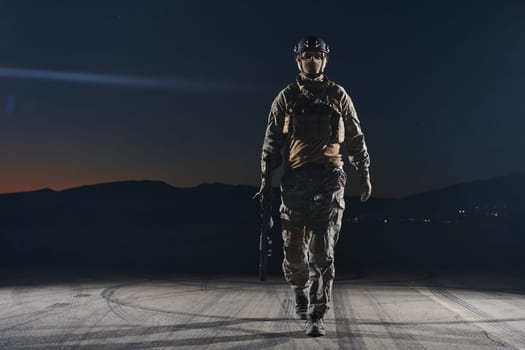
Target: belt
314, 166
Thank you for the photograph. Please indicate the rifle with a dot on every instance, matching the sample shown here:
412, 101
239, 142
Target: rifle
265, 240
265, 196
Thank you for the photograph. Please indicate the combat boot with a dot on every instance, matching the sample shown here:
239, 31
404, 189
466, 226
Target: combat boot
315, 326
301, 305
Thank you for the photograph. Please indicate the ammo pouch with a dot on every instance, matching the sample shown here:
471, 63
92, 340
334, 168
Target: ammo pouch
313, 122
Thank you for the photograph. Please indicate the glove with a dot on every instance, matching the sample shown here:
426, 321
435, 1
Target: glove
262, 188
365, 184
266, 178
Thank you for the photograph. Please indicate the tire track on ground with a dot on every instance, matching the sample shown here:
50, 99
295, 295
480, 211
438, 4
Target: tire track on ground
347, 335
500, 332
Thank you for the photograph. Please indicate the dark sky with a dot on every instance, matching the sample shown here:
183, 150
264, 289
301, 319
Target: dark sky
439, 88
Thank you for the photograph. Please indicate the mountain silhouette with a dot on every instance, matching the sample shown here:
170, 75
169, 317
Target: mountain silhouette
504, 191
215, 227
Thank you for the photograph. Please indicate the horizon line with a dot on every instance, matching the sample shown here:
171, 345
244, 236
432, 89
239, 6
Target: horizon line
254, 186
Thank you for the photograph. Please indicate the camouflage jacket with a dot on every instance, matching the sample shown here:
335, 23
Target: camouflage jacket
276, 145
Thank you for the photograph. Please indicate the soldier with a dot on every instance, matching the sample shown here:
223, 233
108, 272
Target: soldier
309, 121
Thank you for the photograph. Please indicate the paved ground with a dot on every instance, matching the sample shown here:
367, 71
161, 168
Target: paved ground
375, 310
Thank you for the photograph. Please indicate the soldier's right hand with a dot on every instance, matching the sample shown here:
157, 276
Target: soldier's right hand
261, 190
257, 195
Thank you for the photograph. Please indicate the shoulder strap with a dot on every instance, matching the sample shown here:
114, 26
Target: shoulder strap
293, 93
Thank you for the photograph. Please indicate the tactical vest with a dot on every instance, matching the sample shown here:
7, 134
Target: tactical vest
310, 117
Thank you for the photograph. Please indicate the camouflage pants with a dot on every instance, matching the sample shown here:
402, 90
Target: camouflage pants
311, 211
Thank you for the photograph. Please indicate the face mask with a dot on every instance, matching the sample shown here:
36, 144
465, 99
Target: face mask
311, 66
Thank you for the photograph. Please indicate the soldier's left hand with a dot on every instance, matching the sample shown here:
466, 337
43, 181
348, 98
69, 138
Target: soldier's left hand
366, 188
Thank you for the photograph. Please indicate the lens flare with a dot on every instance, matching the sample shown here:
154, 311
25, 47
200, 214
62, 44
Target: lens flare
123, 80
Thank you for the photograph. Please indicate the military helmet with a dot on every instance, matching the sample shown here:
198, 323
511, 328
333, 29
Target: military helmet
311, 43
